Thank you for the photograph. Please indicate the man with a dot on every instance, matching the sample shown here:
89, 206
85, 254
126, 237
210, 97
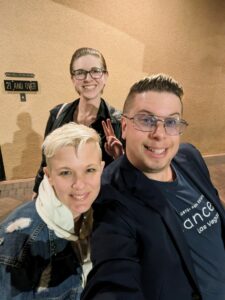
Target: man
159, 224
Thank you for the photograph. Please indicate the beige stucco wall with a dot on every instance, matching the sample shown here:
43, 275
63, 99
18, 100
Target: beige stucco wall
185, 39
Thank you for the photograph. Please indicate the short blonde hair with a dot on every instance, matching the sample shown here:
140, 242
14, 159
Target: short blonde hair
70, 134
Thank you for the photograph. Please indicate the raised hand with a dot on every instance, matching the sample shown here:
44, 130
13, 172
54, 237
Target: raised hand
113, 146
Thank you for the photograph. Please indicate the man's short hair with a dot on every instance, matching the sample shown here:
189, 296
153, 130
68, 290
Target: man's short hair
70, 134
158, 83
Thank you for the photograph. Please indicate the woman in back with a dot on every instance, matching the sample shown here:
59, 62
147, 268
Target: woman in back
88, 71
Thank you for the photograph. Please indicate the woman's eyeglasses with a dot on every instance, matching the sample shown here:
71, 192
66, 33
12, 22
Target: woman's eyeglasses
95, 73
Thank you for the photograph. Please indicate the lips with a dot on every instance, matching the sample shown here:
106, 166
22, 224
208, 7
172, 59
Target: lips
89, 87
79, 197
157, 151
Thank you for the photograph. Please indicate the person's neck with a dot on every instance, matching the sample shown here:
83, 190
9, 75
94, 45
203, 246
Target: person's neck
166, 176
86, 112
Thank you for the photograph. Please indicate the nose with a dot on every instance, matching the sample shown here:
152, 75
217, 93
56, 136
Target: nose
78, 182
88, 76
159, 130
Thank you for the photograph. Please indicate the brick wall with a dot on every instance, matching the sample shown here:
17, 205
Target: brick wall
18, 189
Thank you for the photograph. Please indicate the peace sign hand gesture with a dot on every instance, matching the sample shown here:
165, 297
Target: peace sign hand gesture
113, 146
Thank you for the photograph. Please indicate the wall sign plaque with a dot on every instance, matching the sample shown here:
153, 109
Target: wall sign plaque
21, 86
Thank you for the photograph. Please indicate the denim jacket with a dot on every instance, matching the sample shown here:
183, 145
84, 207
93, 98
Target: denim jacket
34, 262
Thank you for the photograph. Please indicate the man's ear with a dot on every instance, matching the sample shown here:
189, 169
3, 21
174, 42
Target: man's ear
123, 127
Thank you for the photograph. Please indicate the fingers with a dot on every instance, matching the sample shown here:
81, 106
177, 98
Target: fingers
113, 147
107, 127
111, 130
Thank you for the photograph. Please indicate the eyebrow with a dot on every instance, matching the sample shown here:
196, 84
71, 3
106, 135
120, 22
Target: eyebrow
63, 168
85, 166
87, 70
151, 113
92, 165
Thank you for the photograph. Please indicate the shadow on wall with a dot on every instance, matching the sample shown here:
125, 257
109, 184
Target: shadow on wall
19, 157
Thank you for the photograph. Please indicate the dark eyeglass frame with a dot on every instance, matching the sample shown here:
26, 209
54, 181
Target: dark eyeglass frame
173, 126
81, 74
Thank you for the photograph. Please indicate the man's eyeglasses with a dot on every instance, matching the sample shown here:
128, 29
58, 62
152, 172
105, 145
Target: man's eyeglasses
148, 123
96, 73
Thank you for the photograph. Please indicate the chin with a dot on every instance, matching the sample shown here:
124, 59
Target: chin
81, 210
